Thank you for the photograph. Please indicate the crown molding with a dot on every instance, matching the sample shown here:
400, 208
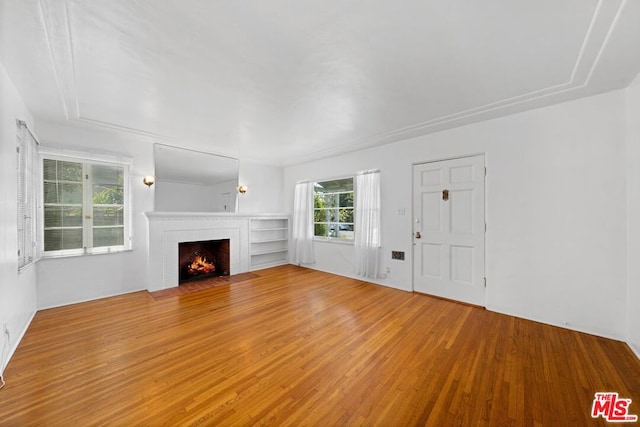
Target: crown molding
59, 36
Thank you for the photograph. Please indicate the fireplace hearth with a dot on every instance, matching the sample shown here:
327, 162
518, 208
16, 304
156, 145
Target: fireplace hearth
203, 260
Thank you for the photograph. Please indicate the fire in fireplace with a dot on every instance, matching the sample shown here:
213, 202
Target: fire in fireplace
203, 260
200, 265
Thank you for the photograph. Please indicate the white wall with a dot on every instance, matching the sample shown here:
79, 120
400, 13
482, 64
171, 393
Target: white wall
633, 215
265, 184
555, 209
73, 279
17, 290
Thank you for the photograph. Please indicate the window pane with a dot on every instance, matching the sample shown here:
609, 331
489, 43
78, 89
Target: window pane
108, 195
346, 215
71, 193
346, 200
324, 200
107, 185
56, 170
70, 171
49, 169
62, 216
320, 230
52, 192
320, 215
108, 215
331, 200
334, 186
57, 185
110, 236
112, 175
332, 230
332, 214
55, 240
345, 231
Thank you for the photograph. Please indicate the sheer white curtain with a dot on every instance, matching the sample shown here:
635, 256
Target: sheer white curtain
367, 238
302, 233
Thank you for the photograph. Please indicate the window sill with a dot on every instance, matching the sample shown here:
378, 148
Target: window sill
28, 266
333, 240
82, 254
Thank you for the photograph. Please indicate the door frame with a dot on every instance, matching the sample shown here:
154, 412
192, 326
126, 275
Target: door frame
486, 219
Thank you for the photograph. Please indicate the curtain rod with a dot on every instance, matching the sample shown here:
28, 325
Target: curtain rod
23, 123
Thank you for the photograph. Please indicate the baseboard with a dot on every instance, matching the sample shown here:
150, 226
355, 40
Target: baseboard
355, 277
634, 349
64, 304
14, 347
495, 309
602, 334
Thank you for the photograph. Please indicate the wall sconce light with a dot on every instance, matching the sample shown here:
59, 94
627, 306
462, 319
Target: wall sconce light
242, 189
149, 180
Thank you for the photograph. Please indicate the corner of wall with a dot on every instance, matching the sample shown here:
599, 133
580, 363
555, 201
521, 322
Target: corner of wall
633, 213
17, 290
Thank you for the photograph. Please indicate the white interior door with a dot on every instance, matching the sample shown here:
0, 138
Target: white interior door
449, 229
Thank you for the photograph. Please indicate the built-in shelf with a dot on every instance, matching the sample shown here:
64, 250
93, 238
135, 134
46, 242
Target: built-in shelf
269, 251
269, 242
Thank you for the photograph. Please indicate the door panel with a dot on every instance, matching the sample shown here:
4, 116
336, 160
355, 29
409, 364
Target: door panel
462, 260
449, 229
432, 211
461, 211
431, 260
461, 174
431, 177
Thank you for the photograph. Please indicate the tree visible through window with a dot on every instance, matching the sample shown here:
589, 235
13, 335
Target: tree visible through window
84, 206
333, 209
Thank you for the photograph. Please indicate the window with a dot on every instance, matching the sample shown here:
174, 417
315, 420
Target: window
333, 209
27, 165
85, 206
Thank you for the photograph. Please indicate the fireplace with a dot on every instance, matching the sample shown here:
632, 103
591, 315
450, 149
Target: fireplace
203, 260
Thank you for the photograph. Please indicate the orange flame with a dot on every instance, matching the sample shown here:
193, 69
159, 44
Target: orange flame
200, 265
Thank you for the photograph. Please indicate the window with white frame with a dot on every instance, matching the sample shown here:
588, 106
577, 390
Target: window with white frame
85, 205
333, 209
27, 165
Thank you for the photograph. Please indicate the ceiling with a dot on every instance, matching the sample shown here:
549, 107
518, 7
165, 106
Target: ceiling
285, 81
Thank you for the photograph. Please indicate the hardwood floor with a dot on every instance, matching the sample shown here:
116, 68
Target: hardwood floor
294, 346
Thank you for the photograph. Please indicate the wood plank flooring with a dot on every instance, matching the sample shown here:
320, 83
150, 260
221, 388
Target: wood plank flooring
295, 346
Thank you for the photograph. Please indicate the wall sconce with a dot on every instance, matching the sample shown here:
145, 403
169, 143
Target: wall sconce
149, 180
242, 189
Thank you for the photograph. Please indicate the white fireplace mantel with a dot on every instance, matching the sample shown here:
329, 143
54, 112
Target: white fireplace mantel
168, 229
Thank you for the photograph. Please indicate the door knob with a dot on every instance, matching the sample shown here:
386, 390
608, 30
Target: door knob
418, 235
